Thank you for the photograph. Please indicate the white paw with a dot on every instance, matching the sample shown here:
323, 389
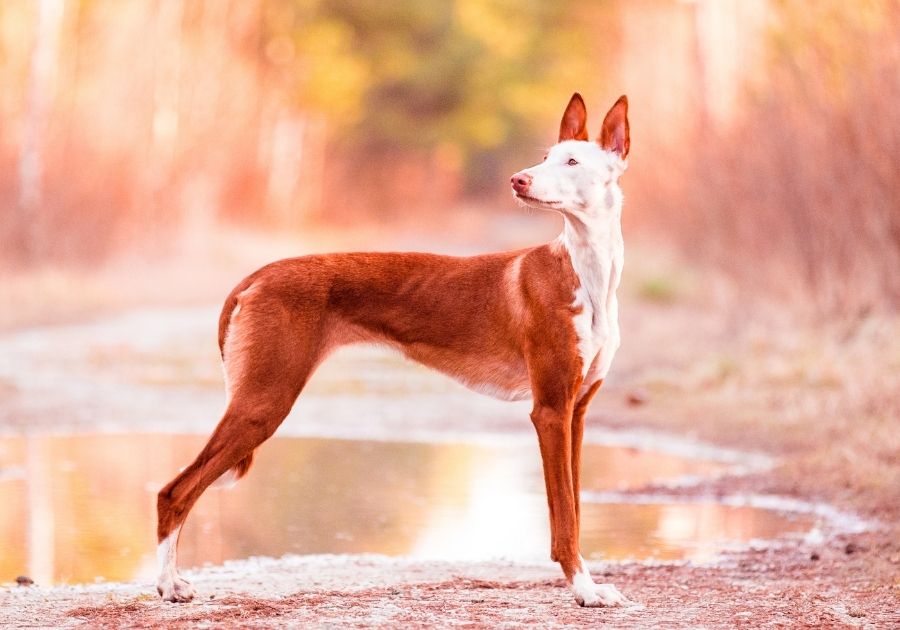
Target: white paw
596, 595
175, 589
607, 595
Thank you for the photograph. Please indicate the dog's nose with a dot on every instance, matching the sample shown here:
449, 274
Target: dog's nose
520, 182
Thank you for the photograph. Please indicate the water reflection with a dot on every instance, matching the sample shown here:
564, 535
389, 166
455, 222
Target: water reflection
78, 508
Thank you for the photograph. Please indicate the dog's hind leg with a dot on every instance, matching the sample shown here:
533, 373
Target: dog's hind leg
247, 423
268, 364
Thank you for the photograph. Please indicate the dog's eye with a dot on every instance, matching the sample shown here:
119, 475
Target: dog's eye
545, 158
572, 162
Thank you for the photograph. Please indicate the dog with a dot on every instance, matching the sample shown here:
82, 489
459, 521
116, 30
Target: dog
539, 322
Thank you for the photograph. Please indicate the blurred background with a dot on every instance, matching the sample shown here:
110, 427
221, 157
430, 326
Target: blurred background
154, 152
765, 143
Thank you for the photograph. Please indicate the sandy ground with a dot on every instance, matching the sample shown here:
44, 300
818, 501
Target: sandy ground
835, 584
831, 439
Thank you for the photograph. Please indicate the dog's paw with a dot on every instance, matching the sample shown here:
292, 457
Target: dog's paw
608, 595
175, 589
593, 595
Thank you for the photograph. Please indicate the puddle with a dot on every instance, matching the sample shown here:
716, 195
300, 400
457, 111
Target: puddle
78, 508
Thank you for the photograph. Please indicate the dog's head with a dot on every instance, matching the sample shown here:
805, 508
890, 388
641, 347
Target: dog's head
579, 176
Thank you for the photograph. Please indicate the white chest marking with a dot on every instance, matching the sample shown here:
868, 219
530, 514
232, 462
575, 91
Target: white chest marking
597, 253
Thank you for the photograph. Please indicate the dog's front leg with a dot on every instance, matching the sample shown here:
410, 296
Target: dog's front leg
553, 423
554, 430
584, 400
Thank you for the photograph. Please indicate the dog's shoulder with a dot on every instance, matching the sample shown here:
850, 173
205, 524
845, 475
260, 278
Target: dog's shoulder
547, 276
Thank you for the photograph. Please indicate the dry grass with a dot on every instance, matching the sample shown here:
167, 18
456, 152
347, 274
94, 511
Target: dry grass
825, 398
799, 197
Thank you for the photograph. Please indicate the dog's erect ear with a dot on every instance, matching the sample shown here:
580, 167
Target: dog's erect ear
574, 120
614, 133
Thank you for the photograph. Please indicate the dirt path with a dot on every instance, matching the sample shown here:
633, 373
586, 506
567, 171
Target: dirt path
834, 440
831, 585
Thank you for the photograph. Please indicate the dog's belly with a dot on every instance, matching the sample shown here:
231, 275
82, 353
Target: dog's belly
504, 385
506, 378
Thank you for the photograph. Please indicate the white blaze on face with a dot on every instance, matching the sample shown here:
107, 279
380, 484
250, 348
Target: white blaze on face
580, 181
576, 177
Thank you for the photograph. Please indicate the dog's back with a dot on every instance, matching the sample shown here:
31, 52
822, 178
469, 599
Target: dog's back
464, 316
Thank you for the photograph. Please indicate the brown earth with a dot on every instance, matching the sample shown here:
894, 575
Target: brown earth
824, 402
848, 584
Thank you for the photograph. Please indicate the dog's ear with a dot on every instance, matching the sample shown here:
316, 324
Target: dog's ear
574, 120
614, 133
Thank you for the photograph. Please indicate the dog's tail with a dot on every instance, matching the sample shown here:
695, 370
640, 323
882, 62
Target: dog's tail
231, 476
231, 303
243, 466
224, 319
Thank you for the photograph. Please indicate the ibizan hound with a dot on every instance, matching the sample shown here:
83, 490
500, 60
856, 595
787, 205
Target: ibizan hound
539, 322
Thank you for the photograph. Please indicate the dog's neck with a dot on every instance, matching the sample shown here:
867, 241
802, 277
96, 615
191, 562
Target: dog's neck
592, 234
594, 242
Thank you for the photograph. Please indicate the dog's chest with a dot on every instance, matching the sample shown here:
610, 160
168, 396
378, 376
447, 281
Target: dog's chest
597, 260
